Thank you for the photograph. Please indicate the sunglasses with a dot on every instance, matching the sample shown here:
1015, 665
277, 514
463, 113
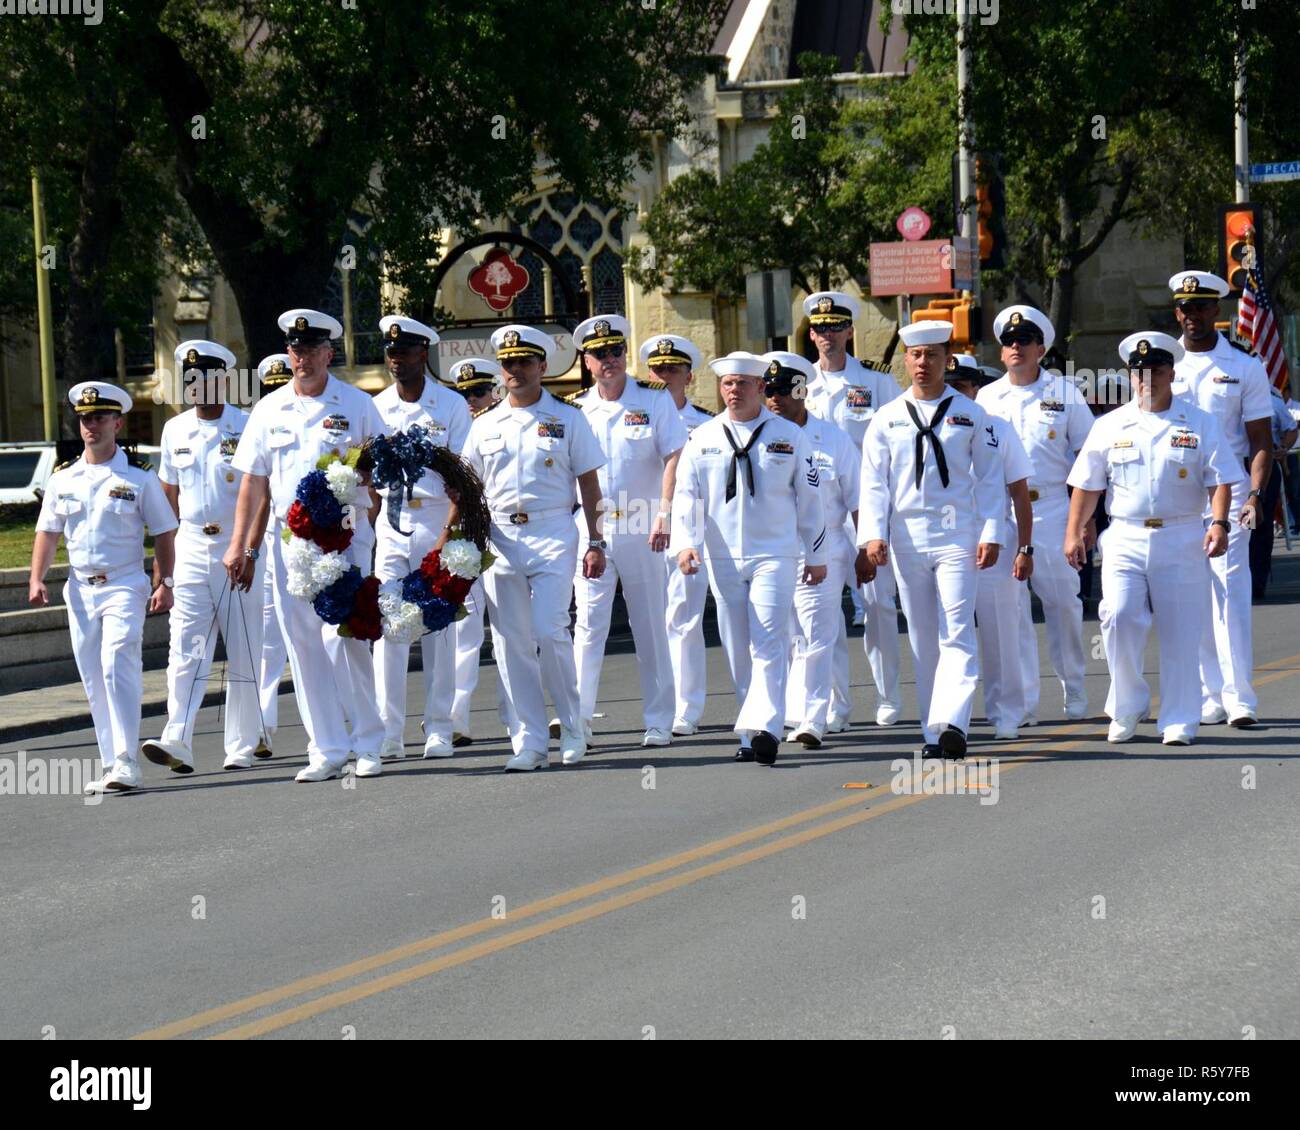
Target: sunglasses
1020, 339
608, 351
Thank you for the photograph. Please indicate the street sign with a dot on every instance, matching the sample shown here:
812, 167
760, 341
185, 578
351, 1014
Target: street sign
913, 224
917, 267
965, 262
767, 304
1275, 171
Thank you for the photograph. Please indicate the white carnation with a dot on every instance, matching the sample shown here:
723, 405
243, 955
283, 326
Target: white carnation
300, 556
343, 482
328, 568
462, 559
405, 623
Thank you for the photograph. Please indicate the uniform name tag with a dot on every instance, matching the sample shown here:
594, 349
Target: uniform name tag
279, 430
898, 423
181, 450
229, 445
122, 492
858, 397
1189, 441
1221, 380
1122, 443
336, 423
551, 429
710, 451
1052, 406
635, 419
960, 421
780, 447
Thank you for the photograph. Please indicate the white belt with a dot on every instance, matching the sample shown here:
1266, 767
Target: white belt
520, 518
1158, 523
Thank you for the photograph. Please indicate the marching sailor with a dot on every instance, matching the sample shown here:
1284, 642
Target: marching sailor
416, 398
849, 394
1157, 458
530, 449
198, 447
739, 470
641, 437
673, 360
101, 504
933, 494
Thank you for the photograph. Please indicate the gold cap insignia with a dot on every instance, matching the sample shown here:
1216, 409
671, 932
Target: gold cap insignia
511, 339
1191, 283
824, 305
665, 345
774, 369
276, 367
192, 357
952, 364
465, 372
300, 323
1015, 319
601, 329
394, 331
89, 395
1144, 347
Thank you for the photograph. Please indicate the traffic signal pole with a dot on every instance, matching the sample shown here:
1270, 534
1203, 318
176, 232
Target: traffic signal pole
1242, 148
969, 219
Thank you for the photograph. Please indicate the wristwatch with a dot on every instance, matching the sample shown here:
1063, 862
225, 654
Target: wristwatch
1027, 550
167, 583
598, 543
1222, 522
1255, 494
252, 552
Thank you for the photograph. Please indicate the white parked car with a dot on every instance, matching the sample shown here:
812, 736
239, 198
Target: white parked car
25, 468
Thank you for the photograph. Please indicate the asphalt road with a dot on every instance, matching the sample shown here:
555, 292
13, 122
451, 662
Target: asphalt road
1142, 893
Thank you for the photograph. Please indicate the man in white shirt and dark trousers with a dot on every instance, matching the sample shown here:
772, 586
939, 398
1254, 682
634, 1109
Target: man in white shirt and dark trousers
849, 394
933, 493
414, 398
198, 449
1233, 386
673, 360
1158, 458
1052, 419
641, 436
818, 613
748, 504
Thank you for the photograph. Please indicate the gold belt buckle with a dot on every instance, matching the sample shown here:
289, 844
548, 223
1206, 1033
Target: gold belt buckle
211, 529
1154, 523
1033, 496
519, 519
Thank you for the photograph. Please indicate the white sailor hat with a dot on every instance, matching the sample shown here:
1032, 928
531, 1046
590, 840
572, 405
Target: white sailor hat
1197, 284
308, 327
602, 330
522, 341
740, 364
475, 374
1018, 319
669, 349
205, 355
98, 396
831, 308
926, 332
400, 331
275, 369
1147, 347
786, 371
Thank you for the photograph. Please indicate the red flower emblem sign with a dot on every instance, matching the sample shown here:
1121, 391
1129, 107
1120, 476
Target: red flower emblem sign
498, 280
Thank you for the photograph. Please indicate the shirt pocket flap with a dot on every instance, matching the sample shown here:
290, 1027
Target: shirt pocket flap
1123, 455
277, 439
67, 506
182, 459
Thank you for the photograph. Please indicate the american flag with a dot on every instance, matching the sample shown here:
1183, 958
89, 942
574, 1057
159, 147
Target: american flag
1256, 324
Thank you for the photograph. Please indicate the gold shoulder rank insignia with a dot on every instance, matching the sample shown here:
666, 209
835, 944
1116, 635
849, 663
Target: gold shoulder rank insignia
701, 408
489, 408
657, 386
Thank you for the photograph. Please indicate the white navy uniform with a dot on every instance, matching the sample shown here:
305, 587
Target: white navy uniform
445, 414
1233, 386
751, 557
529, 459
197, 458
850, 399
997, 600
686, 600
1051, 419
1156, 468
274, 370
932, 531
637, 433
818, 614
102, 511
284, 437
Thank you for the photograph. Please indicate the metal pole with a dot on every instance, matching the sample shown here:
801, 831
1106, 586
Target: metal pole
44, 316
1242, 151
966, 143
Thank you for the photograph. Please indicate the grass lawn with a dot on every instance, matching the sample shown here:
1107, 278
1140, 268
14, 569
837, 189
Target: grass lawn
17, 531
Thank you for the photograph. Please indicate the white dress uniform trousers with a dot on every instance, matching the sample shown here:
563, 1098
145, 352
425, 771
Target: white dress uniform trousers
286, 434
196, 459
932, 531
102, 511
1233, 386
752, 559
274, 653
352, 660
1156, 469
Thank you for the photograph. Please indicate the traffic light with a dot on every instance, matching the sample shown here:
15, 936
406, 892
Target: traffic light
991, 203
1238, 243
967, 321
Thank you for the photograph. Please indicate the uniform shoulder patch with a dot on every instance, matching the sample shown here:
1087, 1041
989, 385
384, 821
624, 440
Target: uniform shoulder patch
657, 386
479, 412
1244, 348
65, 465
572, 398
701, 408
139, 462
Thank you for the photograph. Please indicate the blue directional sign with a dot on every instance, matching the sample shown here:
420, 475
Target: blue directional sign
1275, 171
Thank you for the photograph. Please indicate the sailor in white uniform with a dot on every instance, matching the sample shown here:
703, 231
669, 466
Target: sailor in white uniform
1232, 385
933, 494
1158, 458
849, 394
737, 471
101, 504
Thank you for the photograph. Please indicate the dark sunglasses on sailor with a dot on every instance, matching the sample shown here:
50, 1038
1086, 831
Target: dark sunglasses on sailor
607, 351
1019, 338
